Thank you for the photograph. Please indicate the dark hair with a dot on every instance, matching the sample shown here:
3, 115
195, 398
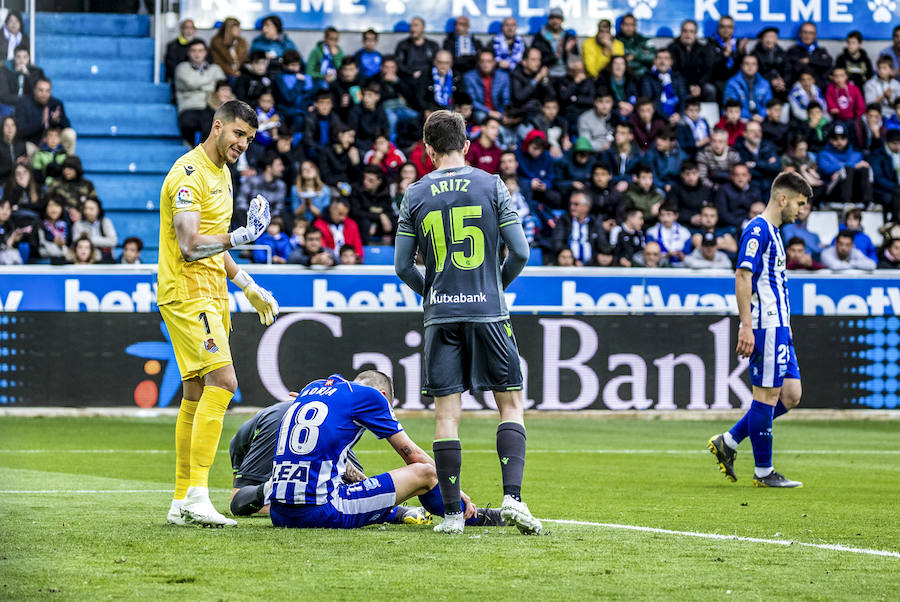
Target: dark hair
641, 169
445, 132
732, 102
796, 241
373, 86
370, 32
274, 20
668, 133
331, 29
487, 119
854, 212
626, 125
277, 220
22, 48
847, 234
509, 151
257, 55
693, 101
668, 206
602, 92
790, 181
375, 170
348, 60
709, 205
601, 165
630, 211
346, 247
874, 106
688, 165
313, 231
773, 102
643, 100
222, 83
135, 240
236, 109
195, 42
884, 58
814, 104
290, 56
855, 34
377, 380
323, 93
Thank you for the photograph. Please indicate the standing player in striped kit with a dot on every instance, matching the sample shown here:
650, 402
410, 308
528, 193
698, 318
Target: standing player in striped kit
765, 334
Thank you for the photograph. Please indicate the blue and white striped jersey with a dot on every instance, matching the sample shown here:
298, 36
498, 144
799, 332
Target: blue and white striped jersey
317, 431
762, 252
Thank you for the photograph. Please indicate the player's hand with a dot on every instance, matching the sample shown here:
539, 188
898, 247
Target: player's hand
745, 341
258, 218
263, 302
471, 510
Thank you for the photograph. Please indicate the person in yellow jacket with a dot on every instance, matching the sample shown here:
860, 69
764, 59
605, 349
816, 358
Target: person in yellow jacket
598, 51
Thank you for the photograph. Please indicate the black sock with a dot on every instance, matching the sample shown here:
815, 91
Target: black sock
448, 460
511, 450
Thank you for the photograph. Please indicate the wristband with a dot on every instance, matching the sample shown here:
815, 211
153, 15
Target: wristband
240, 237
242, 279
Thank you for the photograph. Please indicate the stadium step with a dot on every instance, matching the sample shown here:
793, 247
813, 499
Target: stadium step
133, 192
76, 90
106, 47
92, 24
100, 69
115, 119
143, 224
129, 155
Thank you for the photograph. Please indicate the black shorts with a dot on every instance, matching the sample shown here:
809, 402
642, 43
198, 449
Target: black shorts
473, 356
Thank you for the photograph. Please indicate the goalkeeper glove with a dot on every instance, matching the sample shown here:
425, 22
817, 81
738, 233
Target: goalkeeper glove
261, 299
258, 218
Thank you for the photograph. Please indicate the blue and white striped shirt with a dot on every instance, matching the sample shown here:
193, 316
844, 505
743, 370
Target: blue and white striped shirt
762, 253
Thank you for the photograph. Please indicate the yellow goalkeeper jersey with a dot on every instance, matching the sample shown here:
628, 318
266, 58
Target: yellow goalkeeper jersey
194, 183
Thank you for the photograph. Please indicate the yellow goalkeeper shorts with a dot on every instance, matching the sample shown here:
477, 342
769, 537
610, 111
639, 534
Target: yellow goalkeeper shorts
199, 330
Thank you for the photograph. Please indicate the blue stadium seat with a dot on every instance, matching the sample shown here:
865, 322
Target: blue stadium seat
129, 155
102, 69
143, 224
129, 191
92, 24
76, 90
107, 47
378, 255
121, 119
536, 257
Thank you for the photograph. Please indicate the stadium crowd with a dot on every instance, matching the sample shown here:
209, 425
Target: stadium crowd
602, 144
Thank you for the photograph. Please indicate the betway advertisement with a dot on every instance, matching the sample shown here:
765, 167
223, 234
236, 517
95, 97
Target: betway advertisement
568, 362
537, 290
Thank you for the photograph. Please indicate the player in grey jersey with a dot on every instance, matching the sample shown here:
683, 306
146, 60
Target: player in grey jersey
459, 217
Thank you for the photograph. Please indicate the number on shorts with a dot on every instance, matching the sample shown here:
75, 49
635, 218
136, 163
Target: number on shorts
205, 321
307, 421
782, 354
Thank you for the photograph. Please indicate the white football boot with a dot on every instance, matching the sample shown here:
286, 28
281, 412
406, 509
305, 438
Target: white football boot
174, 515
198, 510
453, 524
517, 513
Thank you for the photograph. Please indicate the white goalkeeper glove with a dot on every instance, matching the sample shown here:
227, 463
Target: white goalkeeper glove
261, 299
258, 218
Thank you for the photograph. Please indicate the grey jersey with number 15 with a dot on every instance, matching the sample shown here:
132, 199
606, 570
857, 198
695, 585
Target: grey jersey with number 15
455, 215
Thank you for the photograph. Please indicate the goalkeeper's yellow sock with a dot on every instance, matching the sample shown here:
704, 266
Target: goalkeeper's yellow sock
206, 432
184, 424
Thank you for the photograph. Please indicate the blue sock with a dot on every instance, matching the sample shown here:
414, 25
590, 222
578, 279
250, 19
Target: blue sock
759, 423
780, 410
434, 503
740, 430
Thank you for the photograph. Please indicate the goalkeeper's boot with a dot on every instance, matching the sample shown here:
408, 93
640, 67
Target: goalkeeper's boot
724, 456
516, 512
452, 523
174, 515
489, 517
412, 515
198, 510
774, 479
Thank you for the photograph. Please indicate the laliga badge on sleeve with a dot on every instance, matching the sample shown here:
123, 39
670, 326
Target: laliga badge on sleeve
184, 198
752, 247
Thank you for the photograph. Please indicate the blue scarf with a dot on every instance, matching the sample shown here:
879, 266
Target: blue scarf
810, 48
327, 60
733, 44
464, 45
669, 98
442, 92
503, 53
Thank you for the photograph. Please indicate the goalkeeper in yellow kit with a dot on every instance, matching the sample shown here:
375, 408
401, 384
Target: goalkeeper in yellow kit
195, 211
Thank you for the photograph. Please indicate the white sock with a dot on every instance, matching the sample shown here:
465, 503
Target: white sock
762, 471
729, 440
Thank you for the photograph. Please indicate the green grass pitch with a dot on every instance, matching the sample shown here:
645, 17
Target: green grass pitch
92, 545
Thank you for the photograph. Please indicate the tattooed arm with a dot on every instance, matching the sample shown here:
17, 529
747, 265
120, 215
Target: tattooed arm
194, 245
408, 450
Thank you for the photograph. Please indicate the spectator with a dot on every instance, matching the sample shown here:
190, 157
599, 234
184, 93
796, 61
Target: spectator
14, 33
807, 54
12, 251
890, 259
221, 94
756, 209
628, 239
799, 230
893, 52
372, 209
273, 41
804, 92
338, 228
693, 129
177, 49
885, 162
623, 156
484, 152
665, 87
707, 256
726, 53
555, 43
291, 155
606, 200
347, 88
690, 59
98, 228
621, 83
340, 162
709, 220
55, 232
17, 79
689, 194
438, 86
276, 240
385, 156
844, 100
313, 252
639, 49
72, 186
565, 258
758, 155
774, 131
83, 251
488, 86
665, 160
529, 83
842, 255
772, 61
716, 160
12, 149
312, 194
269, 120
521, 206
652, 256
407, 176
419, 157
645, 123
131, 251
641, 194
670, 236
269, 184
734, 198
883, 88
893, 122
368, 118
798, 258
36, 113
815, 129
396, 95
598, 50
536, 166
513, 128
750, 89
553, 126
367, 57
848, 175
579, 231
575, 92
348, 255
194, 80
855, 60
416, 53
852, 223
253, 80
509, 46
319, 125
325, 58
731, 121
228, 48
21, 189
292, 89
798, 159
595, 125
574, 169
463, 46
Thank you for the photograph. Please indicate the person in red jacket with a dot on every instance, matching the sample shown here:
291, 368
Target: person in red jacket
731, 121
420, 158
484, 152
844, 100
338, 229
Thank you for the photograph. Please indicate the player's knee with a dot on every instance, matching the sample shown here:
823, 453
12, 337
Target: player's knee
426, 474
247, 500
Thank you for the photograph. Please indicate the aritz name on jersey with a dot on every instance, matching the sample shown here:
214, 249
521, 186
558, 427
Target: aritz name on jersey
454, 185
458, 298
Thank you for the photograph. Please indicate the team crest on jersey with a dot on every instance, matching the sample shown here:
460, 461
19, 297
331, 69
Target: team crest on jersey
752, 246
210, 345
756, 230
329, 382
188, 170
371, 483
184, 198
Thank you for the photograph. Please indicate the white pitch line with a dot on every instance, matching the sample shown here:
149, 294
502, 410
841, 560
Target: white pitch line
92, 491
779, 542
817, 452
